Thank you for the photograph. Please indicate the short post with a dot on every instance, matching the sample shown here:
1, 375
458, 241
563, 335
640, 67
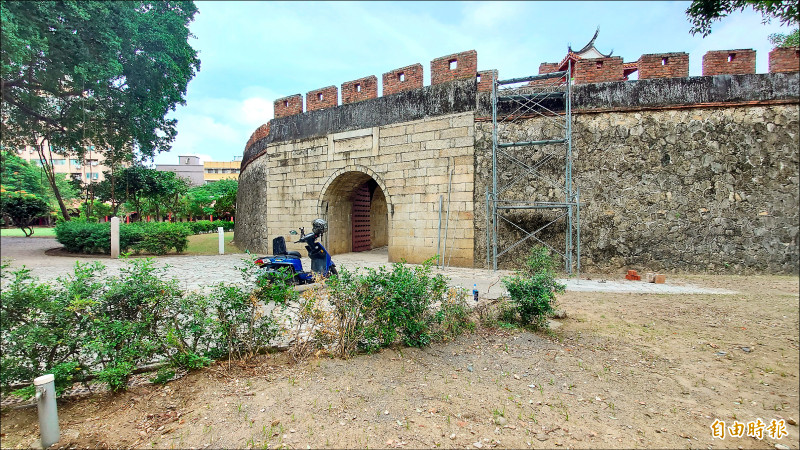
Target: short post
115, 237
48, 413
221, 232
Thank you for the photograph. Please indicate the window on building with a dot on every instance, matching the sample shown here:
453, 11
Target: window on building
95, 176
75, 162
92, 162
59, 162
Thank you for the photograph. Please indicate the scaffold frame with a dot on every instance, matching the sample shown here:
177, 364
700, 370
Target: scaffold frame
547, 97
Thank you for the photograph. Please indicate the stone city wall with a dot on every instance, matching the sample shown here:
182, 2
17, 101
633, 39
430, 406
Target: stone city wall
711, 184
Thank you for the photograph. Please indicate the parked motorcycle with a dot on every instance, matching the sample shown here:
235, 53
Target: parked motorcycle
289, 262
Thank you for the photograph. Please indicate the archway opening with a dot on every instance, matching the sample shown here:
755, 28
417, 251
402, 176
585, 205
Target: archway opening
357, 212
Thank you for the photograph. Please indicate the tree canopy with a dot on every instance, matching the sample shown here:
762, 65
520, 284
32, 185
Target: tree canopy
76, 73
702, 13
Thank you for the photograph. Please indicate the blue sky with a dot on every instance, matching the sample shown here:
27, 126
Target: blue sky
255, 52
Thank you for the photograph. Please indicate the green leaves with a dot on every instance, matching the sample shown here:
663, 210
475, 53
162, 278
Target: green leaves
533, 290
23, 208
702, 13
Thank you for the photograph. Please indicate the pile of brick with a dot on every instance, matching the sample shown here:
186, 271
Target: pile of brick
650, 277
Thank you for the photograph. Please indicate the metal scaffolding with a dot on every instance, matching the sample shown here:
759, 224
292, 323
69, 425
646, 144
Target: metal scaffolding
536, 160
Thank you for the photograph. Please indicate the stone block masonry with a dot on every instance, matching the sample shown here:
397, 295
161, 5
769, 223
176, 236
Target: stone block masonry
402, 79
327, 97
454, 67
784, 59
360, 89
288, 106
729, 62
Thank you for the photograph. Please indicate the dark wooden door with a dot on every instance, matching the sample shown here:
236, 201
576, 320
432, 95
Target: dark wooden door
360, 219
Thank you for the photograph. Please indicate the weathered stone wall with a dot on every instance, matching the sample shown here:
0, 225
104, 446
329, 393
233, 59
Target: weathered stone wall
712, 188
294, 182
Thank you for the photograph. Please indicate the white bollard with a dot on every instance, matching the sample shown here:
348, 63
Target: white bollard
48, 412
115, 237
221, 232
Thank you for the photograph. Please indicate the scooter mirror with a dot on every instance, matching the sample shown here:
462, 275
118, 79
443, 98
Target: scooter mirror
293, 232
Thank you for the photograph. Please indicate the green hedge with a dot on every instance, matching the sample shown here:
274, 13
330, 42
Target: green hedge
153, 237
207, 226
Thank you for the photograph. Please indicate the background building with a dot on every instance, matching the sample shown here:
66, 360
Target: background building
199, 173
221, 170
90, 171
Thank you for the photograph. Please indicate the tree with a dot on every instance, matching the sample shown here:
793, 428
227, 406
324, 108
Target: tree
702, 13
105, 73
143, 189
204, 200
20, 175
23, 208
786, 40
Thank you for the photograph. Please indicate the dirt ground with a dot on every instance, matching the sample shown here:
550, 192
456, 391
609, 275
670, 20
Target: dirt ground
621, 371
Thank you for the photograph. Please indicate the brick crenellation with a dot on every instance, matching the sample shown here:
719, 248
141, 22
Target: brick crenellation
360, 89
402, 79
288, 106
454, 67
485, 79
663, 65
784, 59
584, 71
729, 62
326, 97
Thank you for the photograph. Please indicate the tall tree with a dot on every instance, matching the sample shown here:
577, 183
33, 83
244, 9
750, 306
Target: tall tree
105, 73
702, 13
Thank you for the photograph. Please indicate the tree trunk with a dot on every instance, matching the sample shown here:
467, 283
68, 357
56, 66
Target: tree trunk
47, 165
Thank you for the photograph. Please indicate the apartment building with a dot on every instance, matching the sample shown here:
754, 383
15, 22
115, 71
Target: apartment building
221, 170
90, 170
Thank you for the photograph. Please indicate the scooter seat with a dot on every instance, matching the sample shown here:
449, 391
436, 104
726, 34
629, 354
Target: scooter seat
293, 253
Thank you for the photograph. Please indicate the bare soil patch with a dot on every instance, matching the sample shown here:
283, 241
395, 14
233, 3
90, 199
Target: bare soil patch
622, 371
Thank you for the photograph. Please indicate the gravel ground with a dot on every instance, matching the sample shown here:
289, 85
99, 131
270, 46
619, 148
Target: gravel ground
195, 272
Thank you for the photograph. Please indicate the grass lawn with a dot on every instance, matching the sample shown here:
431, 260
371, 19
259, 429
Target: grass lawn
208, 244
37, 232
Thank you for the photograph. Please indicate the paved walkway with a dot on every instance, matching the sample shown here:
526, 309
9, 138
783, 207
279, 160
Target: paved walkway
196, 272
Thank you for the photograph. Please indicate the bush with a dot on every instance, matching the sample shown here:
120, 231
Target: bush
453, 317
86, 324
41, 327
80, 236
227, 225
159, 238
385, 306
533, 290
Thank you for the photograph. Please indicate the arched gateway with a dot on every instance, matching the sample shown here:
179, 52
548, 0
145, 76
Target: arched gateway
355, 205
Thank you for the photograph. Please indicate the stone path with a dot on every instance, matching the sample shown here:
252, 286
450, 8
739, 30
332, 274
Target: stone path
196, 272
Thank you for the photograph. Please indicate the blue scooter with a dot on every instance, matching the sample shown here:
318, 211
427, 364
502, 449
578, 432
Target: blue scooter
289, 261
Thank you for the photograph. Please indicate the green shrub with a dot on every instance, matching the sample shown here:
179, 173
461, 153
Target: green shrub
533, 290
159, 238
201, 226
226, 225
108, 326
80, 236
395, 304
453, 317
42, 329
130, 320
